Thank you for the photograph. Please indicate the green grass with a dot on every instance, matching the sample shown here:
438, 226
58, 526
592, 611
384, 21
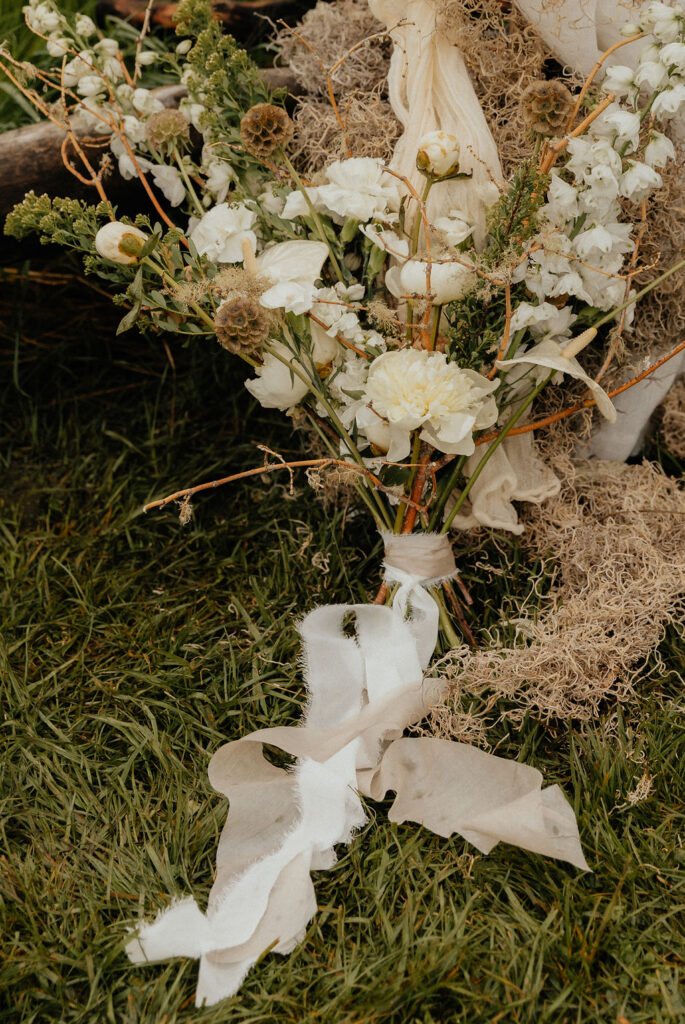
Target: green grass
133, 647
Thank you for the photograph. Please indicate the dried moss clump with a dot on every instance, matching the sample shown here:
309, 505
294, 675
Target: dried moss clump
673, 420
332, 31
617, 534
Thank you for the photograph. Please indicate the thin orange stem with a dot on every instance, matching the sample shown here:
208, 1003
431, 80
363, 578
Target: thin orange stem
558, 148
507, 331
591, 76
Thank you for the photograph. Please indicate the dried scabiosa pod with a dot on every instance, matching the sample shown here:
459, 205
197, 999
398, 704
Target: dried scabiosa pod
242, 325
265, 128
167, 129
547, 106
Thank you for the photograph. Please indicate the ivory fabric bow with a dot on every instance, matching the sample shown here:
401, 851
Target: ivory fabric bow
283, 824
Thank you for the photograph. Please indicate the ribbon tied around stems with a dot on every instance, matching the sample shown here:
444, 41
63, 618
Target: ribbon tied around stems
364, 690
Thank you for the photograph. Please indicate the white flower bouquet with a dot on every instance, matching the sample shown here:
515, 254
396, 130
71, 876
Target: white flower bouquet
412, 314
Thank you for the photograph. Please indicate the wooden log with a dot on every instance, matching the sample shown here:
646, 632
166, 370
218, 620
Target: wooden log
31, 157
237, 15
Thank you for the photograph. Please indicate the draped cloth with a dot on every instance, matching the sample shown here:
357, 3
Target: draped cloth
364, 690
429, 89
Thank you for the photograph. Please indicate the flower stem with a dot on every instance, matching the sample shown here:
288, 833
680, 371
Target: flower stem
418, 218
188, 183
315, 217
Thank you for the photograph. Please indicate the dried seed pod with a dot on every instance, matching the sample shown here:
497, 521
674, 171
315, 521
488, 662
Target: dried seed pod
242, 325
167, 128
265, 128
547, 106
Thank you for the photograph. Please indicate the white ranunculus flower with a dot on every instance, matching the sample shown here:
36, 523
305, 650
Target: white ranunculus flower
659, 150
145, 103
438, 154
84, 25
119, 242
638, 181
293, 268
668, 103
548, 356
219, 234
412, 390
448, 281
168, 179
454, 228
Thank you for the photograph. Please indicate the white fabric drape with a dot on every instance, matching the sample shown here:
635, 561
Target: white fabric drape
364, 690
429, 89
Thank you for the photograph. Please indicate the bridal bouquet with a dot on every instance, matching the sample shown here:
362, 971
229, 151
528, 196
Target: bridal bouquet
421, 317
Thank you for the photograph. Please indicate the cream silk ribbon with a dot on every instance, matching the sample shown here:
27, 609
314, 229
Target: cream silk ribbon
364, 690
429, 89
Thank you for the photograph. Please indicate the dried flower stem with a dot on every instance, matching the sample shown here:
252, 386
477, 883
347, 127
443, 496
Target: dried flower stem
591, 76
507, 331
558, 147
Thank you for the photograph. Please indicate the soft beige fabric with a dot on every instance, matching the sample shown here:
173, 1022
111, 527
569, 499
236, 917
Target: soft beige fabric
430, 89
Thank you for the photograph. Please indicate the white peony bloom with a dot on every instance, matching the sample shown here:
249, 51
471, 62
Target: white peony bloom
638, 181
668, 103
219, 234
145, 103
358, 188
84, 25
454, 229
659, 150
438, 154
293, 268
620, 80
412, 389
119, 242
448, 281
168, 179
548, 355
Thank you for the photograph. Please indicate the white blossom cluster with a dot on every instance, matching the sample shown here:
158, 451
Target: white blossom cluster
617, 159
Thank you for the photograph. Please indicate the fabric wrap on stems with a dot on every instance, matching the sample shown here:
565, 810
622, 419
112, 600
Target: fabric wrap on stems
283, 824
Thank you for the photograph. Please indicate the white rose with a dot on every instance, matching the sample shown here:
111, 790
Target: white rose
219, 234
659, 150
448, 281
119, 242
438, 154
412, 390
